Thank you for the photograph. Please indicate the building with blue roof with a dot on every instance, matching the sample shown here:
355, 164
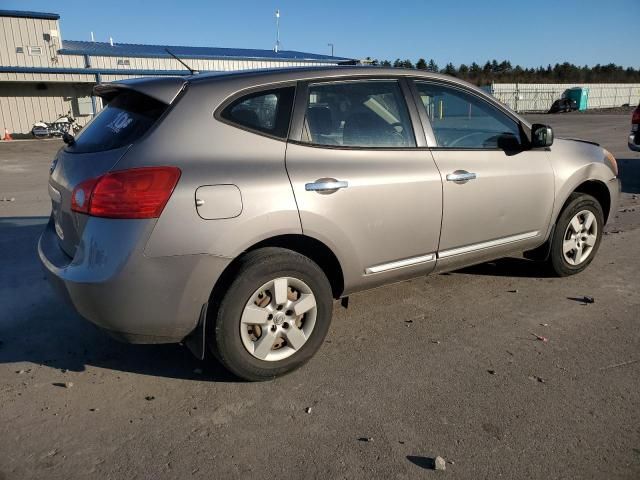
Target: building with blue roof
49, 75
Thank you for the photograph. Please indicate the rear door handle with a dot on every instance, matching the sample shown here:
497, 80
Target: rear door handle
326, 186
461, 176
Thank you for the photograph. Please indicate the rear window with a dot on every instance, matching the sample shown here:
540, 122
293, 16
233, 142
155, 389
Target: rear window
125, 119
267, 111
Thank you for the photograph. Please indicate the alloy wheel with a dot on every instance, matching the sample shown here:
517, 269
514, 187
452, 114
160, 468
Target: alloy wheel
278, 319
580, 237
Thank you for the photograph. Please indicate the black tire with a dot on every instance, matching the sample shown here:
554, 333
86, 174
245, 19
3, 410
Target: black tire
576, 203
254, 270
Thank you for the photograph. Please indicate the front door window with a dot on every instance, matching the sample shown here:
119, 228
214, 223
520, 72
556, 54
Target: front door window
462, 120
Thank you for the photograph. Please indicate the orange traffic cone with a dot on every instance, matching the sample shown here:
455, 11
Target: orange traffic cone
7, 136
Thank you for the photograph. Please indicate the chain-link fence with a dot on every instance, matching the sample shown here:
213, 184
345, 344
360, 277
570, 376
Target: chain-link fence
538, 97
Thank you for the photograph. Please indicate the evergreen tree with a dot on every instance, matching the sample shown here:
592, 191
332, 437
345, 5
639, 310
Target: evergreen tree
449, 69
493, 71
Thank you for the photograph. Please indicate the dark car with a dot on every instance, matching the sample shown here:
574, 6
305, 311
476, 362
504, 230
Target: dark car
634, 136
563, 105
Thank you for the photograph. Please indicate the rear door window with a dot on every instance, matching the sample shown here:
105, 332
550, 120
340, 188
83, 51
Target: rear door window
266, 111
125, 119
363, 113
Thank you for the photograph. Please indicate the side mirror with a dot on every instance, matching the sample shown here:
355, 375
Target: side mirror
541, 136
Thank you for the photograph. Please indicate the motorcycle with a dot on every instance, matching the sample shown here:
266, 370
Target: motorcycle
65, 123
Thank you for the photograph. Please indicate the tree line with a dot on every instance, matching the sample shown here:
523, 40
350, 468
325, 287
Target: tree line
504, 72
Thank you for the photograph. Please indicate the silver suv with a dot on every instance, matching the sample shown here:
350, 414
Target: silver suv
229, 210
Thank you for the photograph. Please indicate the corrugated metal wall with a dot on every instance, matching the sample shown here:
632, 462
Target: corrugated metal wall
202, 65
25, 33
26, 98
538, 97
23, 104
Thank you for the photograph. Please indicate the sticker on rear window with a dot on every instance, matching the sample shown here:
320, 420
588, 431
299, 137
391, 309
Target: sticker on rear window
122, 120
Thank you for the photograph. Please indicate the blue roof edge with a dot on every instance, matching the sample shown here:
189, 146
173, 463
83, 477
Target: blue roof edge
29, 14
65, 51
96, 71
103, 49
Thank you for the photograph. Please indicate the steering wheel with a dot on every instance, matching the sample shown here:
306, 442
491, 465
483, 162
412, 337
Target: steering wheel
464, 137
398, 132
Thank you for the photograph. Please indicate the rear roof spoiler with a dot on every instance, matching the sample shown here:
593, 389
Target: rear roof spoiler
164, 89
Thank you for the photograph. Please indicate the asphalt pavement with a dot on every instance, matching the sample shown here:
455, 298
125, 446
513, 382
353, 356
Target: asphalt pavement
500, 370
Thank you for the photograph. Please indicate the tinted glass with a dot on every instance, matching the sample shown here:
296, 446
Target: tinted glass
462, 120
124, 120
358, 114
267, 112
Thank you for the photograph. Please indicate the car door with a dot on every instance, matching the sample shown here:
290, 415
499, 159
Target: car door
497, 194
361, 184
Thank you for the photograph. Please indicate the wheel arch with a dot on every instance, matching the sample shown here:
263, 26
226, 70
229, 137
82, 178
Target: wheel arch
310, 247
315, 250
595, 188
598, 190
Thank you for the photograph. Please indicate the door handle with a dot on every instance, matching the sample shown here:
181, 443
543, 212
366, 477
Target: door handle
461, 176
325, 186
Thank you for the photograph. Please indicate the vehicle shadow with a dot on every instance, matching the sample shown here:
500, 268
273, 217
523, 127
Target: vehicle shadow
37, 327
508, 267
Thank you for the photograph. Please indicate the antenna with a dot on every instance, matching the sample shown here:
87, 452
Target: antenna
93, 39
193, 72
111, 41
277, 31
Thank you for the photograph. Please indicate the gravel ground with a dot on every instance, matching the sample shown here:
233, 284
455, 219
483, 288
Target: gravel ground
447, 365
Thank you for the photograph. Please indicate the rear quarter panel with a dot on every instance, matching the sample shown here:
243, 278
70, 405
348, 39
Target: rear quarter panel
210, 152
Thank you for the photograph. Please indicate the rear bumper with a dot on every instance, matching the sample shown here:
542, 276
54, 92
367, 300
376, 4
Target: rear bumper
111, 283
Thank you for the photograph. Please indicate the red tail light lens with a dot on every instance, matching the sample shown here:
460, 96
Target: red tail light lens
635, 118
135, 193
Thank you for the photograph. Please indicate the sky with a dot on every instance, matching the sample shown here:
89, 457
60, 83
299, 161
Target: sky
529, 33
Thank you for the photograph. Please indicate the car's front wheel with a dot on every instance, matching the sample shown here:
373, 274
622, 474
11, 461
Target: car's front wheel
577, 235
273, 316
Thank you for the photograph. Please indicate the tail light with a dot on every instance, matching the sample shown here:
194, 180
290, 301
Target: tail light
635, 118
134, 193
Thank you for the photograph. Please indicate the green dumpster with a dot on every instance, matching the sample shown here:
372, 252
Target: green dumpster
580, 95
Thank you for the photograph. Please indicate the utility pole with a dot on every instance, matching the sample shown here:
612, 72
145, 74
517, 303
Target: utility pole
330, 45
277, 31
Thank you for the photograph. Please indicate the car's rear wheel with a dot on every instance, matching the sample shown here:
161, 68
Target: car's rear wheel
273, 316
577, 235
